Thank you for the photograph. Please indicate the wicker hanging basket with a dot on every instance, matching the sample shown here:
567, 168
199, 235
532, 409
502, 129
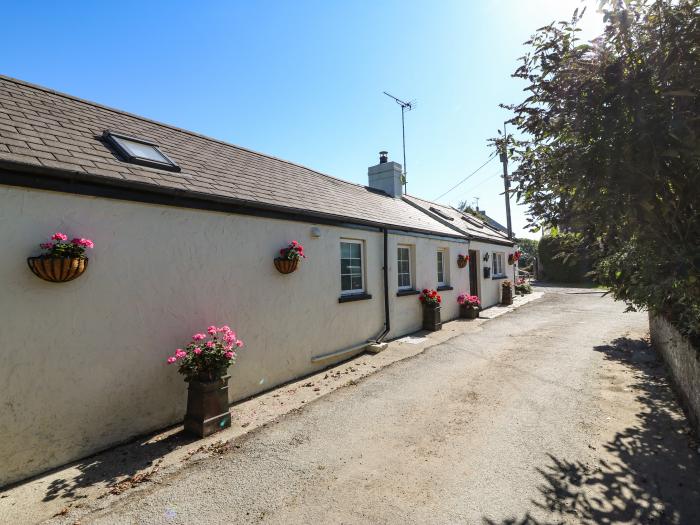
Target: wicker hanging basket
286, 265
57, 269
462, 261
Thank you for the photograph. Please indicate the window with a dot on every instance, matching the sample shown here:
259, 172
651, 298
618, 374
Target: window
139, 151
497, 264
441, 280
404, 267
441, 213
351, 280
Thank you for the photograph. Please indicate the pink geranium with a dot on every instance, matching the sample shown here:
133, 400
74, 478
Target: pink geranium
61, 248
205, 356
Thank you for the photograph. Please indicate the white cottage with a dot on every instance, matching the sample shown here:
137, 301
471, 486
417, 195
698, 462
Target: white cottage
185, 229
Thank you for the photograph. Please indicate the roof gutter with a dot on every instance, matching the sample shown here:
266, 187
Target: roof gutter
81, 183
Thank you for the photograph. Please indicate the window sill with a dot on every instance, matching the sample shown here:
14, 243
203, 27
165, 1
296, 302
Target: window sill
444, 287
401, 293
499, 277
353, 297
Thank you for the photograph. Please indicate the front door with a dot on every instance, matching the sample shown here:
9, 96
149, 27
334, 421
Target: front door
473, 274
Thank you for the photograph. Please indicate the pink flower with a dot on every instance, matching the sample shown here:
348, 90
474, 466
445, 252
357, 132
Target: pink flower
58, 236
212, 330
171, 360
46, 245
197, 350
226, 328
199, 337
239, 343
229, 355
210, 344
229, 337
180, 353
86, 243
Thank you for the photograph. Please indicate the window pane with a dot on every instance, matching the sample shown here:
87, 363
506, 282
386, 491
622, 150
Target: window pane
345, 282
356, 283
142, 150
344, 266
344, 249
355, 250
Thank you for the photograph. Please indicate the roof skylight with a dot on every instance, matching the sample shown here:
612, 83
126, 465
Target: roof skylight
441, 213
473, 222
139, 151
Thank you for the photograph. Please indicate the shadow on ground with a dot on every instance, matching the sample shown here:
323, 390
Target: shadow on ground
127, 464
653, 475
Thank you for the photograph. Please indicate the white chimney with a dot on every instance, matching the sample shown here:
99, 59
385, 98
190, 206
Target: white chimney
386, 176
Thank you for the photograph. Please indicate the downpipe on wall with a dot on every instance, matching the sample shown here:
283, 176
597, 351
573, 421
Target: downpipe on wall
387, 320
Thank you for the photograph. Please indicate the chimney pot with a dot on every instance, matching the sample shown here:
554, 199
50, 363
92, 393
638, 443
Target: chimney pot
383, 157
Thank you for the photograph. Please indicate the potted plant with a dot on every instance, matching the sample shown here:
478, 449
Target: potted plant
462, 260
469, 306
204, 362
431, 309
506, 292
63, 260
289, 257
514, 257
522, 287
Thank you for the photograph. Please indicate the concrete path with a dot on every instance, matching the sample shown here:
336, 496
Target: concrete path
555, 412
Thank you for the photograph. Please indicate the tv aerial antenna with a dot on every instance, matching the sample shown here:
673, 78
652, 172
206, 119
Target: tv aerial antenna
405, 106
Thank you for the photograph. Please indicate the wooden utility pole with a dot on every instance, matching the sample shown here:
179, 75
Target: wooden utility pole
506, 181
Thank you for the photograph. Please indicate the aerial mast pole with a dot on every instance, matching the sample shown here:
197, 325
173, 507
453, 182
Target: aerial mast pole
405, 106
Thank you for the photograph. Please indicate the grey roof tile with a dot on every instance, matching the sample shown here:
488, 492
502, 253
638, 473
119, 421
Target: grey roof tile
70, 130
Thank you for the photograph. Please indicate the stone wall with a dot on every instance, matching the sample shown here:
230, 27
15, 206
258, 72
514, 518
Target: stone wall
683, 361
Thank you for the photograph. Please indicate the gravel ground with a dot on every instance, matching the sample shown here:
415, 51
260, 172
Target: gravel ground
557, 412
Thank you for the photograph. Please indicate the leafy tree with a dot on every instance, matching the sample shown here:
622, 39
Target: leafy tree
611, 149
529, 249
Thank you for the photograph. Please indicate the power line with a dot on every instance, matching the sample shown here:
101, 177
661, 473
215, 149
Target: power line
472, 188
493, 156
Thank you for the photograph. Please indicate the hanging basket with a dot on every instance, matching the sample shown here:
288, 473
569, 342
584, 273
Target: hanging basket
462, 262
511, 259
286, 265
57, 269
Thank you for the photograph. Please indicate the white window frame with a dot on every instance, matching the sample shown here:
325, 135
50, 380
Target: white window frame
399, 273
498, 264
362, 268
441, 254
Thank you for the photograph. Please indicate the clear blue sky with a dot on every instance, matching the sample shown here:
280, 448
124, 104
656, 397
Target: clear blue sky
301, 80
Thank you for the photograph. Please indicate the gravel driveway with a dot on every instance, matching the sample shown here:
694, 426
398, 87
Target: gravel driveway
556, 412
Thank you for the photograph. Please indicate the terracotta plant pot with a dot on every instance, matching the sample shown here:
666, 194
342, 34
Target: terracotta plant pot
468, 312
431, 318
57, 269
462, 262
286, 265
207, 406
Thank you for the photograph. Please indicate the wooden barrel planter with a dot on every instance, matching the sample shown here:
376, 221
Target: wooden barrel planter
286, 265
506, 293
207, 406
431, 318
468, 312
57, 269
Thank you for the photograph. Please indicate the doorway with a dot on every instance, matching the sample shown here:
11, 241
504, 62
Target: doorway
473, 273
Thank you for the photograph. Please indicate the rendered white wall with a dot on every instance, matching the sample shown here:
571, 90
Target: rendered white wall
83, 363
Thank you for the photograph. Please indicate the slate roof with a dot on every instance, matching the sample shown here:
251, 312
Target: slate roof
464, 223
56, 134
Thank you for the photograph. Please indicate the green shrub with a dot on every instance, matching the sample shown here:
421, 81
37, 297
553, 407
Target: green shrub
562, 259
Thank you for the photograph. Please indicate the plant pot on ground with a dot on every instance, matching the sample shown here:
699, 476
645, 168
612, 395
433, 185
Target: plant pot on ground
506, 293
469, 306
62, 261
431, 310
289, 257
204, 363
